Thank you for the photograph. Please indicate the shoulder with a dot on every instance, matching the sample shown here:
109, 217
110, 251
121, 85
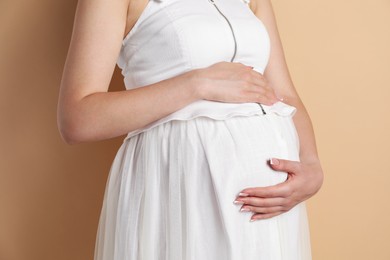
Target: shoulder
252, 5
255, 5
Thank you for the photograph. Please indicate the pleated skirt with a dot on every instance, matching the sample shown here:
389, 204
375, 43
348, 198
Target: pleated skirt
170, 192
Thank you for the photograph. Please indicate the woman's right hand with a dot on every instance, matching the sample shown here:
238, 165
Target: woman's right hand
234, 82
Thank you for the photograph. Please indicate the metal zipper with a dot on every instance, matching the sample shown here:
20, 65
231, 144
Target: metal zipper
235, 42
231, 28
262, 109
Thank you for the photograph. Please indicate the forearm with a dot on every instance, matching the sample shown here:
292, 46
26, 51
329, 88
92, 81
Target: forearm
105, 115
303, 124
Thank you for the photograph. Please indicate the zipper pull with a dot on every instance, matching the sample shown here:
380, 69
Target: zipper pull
262, 109
211, 1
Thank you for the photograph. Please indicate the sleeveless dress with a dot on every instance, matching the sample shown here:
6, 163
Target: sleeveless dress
170, 190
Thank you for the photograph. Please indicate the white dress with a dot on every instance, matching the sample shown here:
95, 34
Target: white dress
170, 191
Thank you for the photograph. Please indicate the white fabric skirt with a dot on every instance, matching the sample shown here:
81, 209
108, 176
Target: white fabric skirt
170, 193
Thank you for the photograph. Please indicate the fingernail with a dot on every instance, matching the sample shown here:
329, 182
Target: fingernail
245, 209
274, 161
243, 194
238, 202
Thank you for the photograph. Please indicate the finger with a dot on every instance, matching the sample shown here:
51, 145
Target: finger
262, 210
261, 86
257, 88
237, 63
260, 202
285, 165
257, 78
253, 80
259, 216
262, 95
282, 189
268, 97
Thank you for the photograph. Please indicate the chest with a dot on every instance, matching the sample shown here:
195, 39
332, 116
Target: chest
178, 35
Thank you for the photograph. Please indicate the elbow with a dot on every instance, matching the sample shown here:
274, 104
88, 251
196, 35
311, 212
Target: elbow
68, 138
68, 134
72, 122
70, 131
74, 125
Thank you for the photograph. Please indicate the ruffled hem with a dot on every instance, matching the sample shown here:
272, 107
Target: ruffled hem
281, 109
198, 109
244, 1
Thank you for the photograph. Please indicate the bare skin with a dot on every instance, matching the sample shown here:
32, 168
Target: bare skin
88, 112
305, 177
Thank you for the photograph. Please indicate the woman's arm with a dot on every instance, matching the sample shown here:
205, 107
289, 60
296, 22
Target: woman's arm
305, 177
86, 110
279, 78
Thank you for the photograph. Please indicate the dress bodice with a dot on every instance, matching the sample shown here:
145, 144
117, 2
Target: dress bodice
175, 36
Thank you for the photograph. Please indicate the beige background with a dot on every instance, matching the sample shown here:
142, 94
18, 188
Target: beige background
339, 58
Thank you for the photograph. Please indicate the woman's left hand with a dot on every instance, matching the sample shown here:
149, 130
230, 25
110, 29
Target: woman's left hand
303, 181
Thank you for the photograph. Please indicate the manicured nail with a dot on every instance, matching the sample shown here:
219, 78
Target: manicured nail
238, 202
252, 219
243, 194
245, 209
274, 161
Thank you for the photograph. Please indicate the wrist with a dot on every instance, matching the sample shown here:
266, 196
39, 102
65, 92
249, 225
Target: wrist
311, 159
196, 84
316, 171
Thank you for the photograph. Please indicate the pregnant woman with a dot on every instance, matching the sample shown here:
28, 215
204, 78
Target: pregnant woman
220, 154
